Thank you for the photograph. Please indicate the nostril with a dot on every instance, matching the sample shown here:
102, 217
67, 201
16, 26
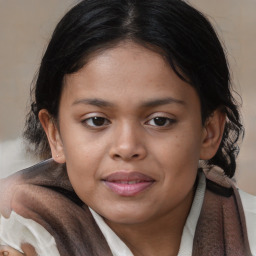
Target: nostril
128, 157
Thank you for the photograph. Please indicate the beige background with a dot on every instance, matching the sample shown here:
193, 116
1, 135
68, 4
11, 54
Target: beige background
26, 25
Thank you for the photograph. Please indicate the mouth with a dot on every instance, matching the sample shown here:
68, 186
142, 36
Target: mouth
128, 183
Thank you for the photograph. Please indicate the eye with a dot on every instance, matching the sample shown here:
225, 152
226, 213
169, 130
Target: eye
96, 121
161, 121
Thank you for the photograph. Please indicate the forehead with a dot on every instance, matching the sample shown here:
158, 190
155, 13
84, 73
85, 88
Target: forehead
129, 72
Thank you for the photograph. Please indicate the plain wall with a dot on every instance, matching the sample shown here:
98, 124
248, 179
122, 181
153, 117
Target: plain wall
26, 26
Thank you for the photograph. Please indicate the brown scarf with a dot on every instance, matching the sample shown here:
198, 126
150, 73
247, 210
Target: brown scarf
44, 194
221, 228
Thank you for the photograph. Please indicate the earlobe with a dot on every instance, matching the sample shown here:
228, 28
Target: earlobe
53, 136
212, 134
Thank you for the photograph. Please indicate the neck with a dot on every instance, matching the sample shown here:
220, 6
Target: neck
159, 236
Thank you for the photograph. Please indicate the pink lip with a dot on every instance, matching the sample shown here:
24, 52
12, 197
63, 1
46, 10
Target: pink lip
128, 183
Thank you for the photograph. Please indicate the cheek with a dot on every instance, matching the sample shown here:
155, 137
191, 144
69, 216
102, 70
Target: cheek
178, 157
83, 159
182, 148
179, 163
82, 168
80, 145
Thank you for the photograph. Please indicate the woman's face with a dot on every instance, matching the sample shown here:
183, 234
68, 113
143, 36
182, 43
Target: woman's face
131, 134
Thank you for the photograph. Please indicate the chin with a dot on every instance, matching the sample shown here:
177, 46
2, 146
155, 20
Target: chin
126, 217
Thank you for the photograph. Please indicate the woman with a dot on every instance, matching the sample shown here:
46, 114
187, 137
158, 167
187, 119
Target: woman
130, 97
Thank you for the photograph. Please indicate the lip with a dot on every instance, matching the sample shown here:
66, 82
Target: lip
128, 183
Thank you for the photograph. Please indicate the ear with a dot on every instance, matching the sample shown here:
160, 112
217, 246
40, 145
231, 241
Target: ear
212, 134
53, 135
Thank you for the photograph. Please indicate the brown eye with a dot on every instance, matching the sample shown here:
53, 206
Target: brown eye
161, 121
96, 121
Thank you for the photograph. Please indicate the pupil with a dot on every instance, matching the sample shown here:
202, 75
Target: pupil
160, 121
98, 121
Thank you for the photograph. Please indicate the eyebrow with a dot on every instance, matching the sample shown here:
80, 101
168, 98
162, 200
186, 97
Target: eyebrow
162, 101
94, 102
147, 104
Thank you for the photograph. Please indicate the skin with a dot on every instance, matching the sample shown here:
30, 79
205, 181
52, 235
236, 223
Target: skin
137, 85
9, 251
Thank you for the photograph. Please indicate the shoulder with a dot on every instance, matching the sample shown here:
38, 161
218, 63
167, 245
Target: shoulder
19, 210
226, 187
37, 190
249, 206
31, 205
249, 201
21, 186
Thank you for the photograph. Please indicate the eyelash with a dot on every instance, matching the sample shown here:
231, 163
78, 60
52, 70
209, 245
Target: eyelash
169, 121
104, 122
96, 118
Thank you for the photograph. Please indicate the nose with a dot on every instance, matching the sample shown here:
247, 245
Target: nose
127, 144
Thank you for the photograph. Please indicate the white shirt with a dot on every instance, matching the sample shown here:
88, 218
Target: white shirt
31, 232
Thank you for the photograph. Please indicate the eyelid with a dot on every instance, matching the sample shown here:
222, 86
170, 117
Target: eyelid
161, 114
90, 116
167, 116
93, 114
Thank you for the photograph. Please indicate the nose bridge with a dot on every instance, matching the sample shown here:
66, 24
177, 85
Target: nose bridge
128, 141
